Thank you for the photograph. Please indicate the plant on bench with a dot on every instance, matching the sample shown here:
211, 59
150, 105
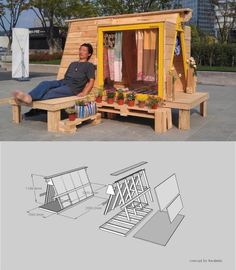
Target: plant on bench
120, 97
71, 113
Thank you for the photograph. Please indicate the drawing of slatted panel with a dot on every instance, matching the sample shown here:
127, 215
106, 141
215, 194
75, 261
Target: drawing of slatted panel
131, 194
119, 224
67, 189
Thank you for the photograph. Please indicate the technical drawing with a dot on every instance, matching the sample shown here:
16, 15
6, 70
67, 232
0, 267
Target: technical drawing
162, 225
131, 194
64, 190
129, 168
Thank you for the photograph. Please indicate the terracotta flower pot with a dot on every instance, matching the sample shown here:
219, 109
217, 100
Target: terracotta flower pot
141, 104
120, 101
110, 100
98, 99
72, 117
131, 103
155, 106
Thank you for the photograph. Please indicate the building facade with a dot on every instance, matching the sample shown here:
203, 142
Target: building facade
203, 14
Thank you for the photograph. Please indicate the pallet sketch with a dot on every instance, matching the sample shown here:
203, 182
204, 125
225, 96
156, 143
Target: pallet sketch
168, 197
62, 191
131, 194
129, 168
162, 225
67, 189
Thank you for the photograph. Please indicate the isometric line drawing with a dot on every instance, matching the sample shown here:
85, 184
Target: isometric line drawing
67, 189
162, 225
63, 191
131, 193
129, 168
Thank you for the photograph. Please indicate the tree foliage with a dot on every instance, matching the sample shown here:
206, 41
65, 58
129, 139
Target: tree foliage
10, 11
115, 7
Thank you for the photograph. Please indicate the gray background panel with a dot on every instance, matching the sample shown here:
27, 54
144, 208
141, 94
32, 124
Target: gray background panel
206, 177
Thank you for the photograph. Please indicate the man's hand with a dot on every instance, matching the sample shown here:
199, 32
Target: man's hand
81, 94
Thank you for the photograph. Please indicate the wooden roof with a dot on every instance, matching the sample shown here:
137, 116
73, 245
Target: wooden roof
186, 13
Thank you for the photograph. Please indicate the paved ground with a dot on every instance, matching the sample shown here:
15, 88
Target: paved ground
220, 125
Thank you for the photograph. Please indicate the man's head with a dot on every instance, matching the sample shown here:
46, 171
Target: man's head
85, 51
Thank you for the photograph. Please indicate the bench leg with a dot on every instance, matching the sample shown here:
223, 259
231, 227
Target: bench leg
98, 119
53, 121
160, 121
203, 109
184, 119
169, 119
16, 114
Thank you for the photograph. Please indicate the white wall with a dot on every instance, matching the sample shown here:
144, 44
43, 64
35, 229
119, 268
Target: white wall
4, 42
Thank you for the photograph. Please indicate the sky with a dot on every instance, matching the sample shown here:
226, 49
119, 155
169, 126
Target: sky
27, 20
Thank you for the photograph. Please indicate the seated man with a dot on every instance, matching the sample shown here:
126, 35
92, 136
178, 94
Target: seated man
78, 81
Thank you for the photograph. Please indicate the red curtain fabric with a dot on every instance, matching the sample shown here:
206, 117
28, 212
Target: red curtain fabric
129, 57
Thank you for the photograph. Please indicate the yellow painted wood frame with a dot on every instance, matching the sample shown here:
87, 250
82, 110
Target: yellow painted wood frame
141, 26
180, 31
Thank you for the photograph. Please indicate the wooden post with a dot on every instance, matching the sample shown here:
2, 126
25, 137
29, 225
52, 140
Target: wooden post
191, 81
169, 119
184, 119
54, 118
98, 119
203, 108
160, 121
169, 87
16, 114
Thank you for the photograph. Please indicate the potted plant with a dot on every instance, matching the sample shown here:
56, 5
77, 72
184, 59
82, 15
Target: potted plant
142, 98
120, 97
111, 96
71, 113
153, 102
131, 99
99, 95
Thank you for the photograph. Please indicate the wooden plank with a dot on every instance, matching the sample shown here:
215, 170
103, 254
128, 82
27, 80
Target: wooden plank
184, 119
16, 114
187, 101
54, 118
203, 108
70, 126
160, 121
185, 13
4, 101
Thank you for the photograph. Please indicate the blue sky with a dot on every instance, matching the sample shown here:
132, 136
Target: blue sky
27, 20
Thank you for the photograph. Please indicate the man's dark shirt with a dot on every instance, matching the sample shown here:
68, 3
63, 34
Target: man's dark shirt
78, 75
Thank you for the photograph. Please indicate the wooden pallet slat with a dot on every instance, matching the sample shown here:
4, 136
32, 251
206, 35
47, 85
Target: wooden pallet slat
162, 116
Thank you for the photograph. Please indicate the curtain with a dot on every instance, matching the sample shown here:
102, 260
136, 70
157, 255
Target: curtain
106, 70
139, 42
111, 58
129, 57
149, 55
118, 57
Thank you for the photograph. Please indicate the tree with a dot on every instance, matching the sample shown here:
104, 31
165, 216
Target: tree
115, 7
52, 13
225, 15
10, 11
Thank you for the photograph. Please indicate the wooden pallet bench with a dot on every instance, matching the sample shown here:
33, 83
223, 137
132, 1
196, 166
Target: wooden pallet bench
52, 106
162, 116
184, 103
67, 126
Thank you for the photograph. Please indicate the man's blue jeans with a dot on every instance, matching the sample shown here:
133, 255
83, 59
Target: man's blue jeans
50, 89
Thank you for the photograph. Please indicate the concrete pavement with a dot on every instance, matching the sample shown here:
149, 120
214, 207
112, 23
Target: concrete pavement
220, 125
